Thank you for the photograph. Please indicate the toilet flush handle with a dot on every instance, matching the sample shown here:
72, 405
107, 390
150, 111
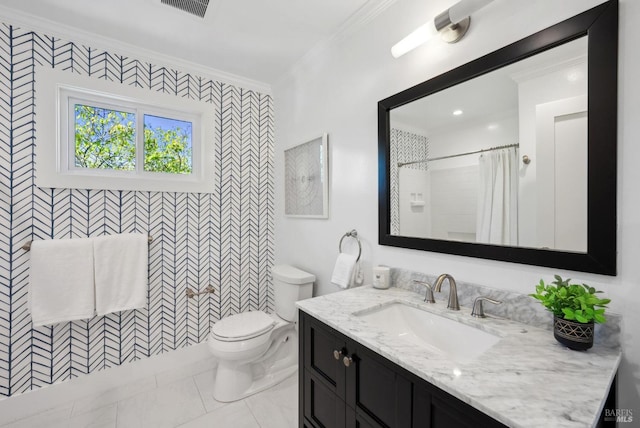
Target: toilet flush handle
210, 289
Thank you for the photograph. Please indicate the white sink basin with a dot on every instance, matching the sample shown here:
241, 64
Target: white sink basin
455, 340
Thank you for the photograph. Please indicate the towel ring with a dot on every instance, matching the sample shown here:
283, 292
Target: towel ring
352, 234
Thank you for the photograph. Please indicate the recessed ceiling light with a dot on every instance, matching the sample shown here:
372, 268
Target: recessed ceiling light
457, 112
492, 127
574, 76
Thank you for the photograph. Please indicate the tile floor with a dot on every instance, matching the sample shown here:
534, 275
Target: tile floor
175, 398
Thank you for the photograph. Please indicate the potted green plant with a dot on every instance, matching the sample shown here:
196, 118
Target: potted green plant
575, 308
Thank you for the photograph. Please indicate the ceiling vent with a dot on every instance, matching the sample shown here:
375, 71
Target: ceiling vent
194, 7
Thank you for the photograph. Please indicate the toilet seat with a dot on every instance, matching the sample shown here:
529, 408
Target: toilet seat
243, 326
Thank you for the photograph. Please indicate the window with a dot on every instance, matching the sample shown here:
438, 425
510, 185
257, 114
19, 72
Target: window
108, 138
167, 145
113, 140
103, 138
110, 135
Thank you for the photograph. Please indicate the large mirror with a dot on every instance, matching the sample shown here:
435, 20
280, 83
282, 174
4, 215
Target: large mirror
510, 157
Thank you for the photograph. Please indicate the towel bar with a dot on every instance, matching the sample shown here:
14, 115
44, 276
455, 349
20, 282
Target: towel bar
27, 245
191, 294
352, 234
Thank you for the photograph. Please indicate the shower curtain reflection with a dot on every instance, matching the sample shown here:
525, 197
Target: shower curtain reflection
497, 221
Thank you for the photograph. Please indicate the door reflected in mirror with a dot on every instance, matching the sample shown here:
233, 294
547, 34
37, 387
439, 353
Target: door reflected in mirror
456, 157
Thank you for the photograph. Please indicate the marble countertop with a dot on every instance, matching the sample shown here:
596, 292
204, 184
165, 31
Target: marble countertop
525, 380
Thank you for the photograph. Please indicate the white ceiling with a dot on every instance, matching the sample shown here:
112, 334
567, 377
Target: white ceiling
255, 39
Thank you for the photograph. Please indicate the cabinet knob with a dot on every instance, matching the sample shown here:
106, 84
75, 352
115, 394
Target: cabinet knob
347, 361
336, 354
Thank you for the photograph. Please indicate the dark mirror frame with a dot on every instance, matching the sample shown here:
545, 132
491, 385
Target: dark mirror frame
600, 24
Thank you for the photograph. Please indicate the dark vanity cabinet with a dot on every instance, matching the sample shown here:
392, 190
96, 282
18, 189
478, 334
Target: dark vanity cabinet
345, 385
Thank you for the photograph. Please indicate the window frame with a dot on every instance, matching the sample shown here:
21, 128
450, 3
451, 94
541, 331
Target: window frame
58, 92
70, 97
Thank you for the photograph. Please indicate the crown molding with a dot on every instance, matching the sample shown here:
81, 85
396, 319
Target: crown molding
36, 23
356, 21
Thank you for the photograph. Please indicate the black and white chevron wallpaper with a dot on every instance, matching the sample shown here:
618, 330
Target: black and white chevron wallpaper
224, 238
405, 146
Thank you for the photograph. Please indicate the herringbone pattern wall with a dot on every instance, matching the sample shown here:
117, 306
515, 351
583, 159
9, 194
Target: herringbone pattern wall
405, 147
224, 238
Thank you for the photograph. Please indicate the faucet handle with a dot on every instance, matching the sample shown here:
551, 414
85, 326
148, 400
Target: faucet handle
478, 309
428, 297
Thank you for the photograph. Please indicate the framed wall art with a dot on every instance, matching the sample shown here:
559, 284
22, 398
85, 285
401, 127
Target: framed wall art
307, 179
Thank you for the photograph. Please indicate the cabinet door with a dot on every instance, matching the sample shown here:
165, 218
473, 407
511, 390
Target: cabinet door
321, 405
360, 420
377, 392
434, 408
323, 351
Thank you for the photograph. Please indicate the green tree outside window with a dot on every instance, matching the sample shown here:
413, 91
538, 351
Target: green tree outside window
106, 139
167, 145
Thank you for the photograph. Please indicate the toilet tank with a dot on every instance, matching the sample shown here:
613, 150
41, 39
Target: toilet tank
290, 285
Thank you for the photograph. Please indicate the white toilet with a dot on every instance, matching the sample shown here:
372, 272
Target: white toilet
256, 350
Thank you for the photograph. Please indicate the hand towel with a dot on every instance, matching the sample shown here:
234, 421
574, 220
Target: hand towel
61, 280
121, 272
343, 270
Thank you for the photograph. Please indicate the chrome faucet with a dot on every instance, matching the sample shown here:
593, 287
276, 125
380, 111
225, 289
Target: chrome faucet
453, 291
428, 296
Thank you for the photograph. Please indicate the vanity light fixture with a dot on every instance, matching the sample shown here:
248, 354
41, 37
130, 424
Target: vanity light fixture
452, 25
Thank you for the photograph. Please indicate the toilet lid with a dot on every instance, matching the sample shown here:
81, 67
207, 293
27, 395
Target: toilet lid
242, 326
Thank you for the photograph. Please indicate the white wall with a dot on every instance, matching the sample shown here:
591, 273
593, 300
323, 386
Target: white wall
336, 90
470, 137
532, 92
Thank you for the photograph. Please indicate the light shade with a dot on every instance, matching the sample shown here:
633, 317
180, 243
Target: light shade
462, 9
419, 36
453, 24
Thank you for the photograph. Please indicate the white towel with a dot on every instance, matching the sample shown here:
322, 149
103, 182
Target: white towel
121, 272
343, 270
61, 281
